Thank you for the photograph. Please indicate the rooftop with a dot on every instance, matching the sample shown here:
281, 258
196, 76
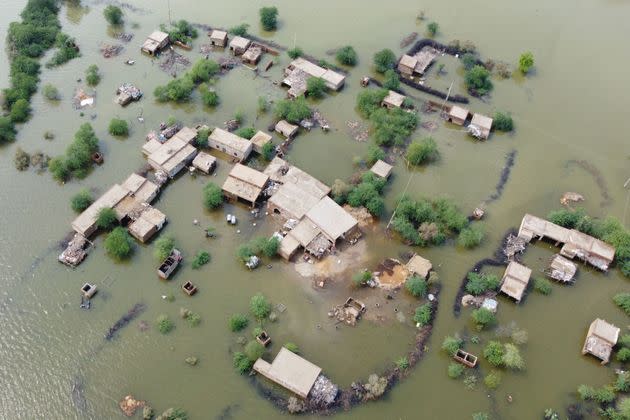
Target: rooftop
141, 188
294, 199
600, 340
158, 36
483, 122
291, 371
187, 134
287, 129
515, 280
245, 182
167, 150
309, 68
85, 222
238, 42
394, 99
458, 112
249, 175
331, 218
204, 161
231, 140
260, 139
419, 265
252, 53
408, 61
219, 35
381, 168
304, 232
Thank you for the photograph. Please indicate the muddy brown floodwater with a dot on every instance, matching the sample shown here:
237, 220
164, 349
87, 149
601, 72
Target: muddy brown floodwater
54, 361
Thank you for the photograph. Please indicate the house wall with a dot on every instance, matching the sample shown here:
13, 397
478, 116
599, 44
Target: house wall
229, 150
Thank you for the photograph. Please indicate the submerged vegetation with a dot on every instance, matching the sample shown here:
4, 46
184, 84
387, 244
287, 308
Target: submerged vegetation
181, 89
478, 81
292, 111
78, 158
269, 18
119, 244
384, 60
347, 56
113, 15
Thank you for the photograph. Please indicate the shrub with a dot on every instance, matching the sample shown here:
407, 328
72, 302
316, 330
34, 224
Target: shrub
81, 201
238, 322
526, 62
212, 196
193, 319
113, 15
604, 395
423, 151
22, 160
203, 70
240, 30
478, 80
369, 101
178, 90
586, 392
59, 169
623, 301
292, 111
259, 306
512, 357
242, 363
50, 92
7, 130
269, 18
451, 344
479, 283
468, 60
66, 50
493, 353
209, 97
315, 87
263, 105
292, 347
246, 132
374, 153
542, 285
384, 60
163, 247
119, 244
200, 259
503, 122
391, 81
416, 286
624, 407
20, 111
181, 31
202, 137
519, 336
432, 28
347, 56
92, 75
422, 315
483, 318
622, 383
623, 355
471, 236
268, 151
295, 52
254, 350
492, 380
402, 363
455, 370
106, 218
361, 278
164, 324
118, 127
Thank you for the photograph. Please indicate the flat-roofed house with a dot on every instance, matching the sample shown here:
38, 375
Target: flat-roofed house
381, 169
245, 183
407, 64
150, 221
458, 115
420, 266
238, 45
536, 227
293, 200
252, 55
515, 280
172, 156
333, 221
393, 100
290, 371
259, 140
187, 134
480, 126
150, 146
155, 42
85, 223
140, 188
218, 38
287, 129
288, 247
204, 162
230, 144
333, 79
600, 340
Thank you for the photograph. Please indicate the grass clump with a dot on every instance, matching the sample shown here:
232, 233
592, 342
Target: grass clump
22, 160
212, 196
202, 258
259, 306
268, 151
416, 286
119, 244
483, 318
384, 60
292, 347
455, 370
81, 201
163, 247
423, 313
451, 344
480, 283
347, 56
542, 285
92, 75
118, 127
432, 29
526, 62
492, 380
239, 30
164, 324
423, 151
193, 319
293, 111
471, 236
113, 15
402, 362
246, 132
295, 52
238, 322
503, 122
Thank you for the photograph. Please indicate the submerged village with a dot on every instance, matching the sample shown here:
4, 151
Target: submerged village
362, 254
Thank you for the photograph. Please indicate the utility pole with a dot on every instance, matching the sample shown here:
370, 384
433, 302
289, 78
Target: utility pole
169, 12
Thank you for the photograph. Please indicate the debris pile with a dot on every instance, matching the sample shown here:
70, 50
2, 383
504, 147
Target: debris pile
406, 41
513, 245
124, 37
231, 125
127, 93
349, 312
109, 50
129, 405
76, 251
81, 99
320, 120
570, 197
171, 60
168, 131
228, 63
357, 130
324, 392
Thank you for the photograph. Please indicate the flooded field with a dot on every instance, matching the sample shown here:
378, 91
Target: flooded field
54, 359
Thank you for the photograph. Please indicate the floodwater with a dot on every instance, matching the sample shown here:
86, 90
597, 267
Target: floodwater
54, 362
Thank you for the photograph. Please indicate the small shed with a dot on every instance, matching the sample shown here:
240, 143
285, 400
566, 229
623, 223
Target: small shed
407, 64
238, 45
230, 143
245, 183
382, 169
155, 42
515, 280
480, 126
288, 247
291, 371
252, 55
420, 266
259, 140
393, 100
218, 38
286, 129
561, 269
600, 340
204, 162
458, 115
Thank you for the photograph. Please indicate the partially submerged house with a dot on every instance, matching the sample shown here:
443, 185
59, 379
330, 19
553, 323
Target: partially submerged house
172, 156
230, 143
458, 115
301, 69
287, 129
561, 269
140, 188
238, 45
245, 183
155, 42
259, 140
204, 162
480, 126
418, 63
600, 340
148, 223
393, 100
333, 221
290, 371
381, 169
515, 280
218, 38
420, 266
252, 55
407, 64
85, 223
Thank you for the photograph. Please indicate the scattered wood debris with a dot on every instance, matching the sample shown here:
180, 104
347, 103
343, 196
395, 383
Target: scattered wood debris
108, 50
171, 60
357, 131
406, 41
129, 405
570, 197
124, 36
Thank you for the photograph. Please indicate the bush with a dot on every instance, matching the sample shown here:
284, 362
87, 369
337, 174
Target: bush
106, 218
451, 344
402, 363
519, 336
586, 392
178, 90
268, 151
623, 301
119, 244
416, 286
209, 97
369, 101
203, 70
66, 50
269, 18
526, 62
242, 363
50, 92
263, 105
259, 306
374, 154
423, 314
292, 347
479, 283
391, 81
202, 137
164, 324
163, 247
246, 132
212, 196
503, 122
238, 322
118, 127
113, 15
455, 370
200, 259
512, 357
542, 285
81, 201
622, 383
423, 151
7, 130
393, 127
471, 237
483, 318
604, 395
623, 355
181, 31
293, 111
384, 60
193, 319
20, 111
240, 30
254, 350
315, 87
432, 28
361, 278
492, 380
478, 80
493, 353
295, 52
347, 56
22, 160
92, 75
468, 60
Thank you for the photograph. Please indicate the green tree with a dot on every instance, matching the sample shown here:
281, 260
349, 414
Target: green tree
106, 218
391, 81
384, 60
347, 56
422, 151
92, 75
239, 30
471, 236
113, 15
423, 314
295, 52
503, 122
209, 97
7, 130
118, 127
163, 247
202, 258
483, 318
203, 70
526, 62
212, 196
416, 286
269, 18
81, 201
238, 322
478, 80
20, 111
493, 353
259, 306
432, 28
178, 90
119, 244
50, 92
293, 111
315, 87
